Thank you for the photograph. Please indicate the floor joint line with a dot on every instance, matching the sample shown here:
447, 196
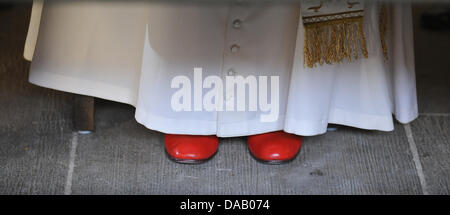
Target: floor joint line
416, 158
72, 156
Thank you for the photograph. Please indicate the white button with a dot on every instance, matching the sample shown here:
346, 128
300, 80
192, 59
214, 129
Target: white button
231, 72
234, 48
237, 23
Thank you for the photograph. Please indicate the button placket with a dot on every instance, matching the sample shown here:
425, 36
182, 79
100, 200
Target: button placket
238, 8
235, 25
232, 60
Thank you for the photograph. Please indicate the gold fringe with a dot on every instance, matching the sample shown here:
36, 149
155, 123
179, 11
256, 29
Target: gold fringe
333, 41
383, 29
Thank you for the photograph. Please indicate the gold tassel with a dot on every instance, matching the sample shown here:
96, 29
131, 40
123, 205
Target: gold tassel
333, 41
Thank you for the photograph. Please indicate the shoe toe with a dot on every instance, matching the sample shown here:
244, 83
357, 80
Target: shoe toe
275, 146
191, 147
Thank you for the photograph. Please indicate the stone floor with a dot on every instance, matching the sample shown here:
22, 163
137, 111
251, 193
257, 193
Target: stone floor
41, 154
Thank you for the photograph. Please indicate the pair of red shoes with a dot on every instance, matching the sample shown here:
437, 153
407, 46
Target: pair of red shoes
273, 148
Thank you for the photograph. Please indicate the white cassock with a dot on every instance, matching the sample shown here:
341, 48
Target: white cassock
130, 52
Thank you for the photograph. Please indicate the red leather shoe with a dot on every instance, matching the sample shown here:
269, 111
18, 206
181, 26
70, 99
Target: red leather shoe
274, 147
191, 149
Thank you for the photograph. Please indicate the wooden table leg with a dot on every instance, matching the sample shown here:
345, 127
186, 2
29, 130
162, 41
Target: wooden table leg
83, 113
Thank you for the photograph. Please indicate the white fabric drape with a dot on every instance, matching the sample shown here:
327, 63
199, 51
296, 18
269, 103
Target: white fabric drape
129, 52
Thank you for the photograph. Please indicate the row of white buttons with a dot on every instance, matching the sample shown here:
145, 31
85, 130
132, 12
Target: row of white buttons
237, 23
234, 48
